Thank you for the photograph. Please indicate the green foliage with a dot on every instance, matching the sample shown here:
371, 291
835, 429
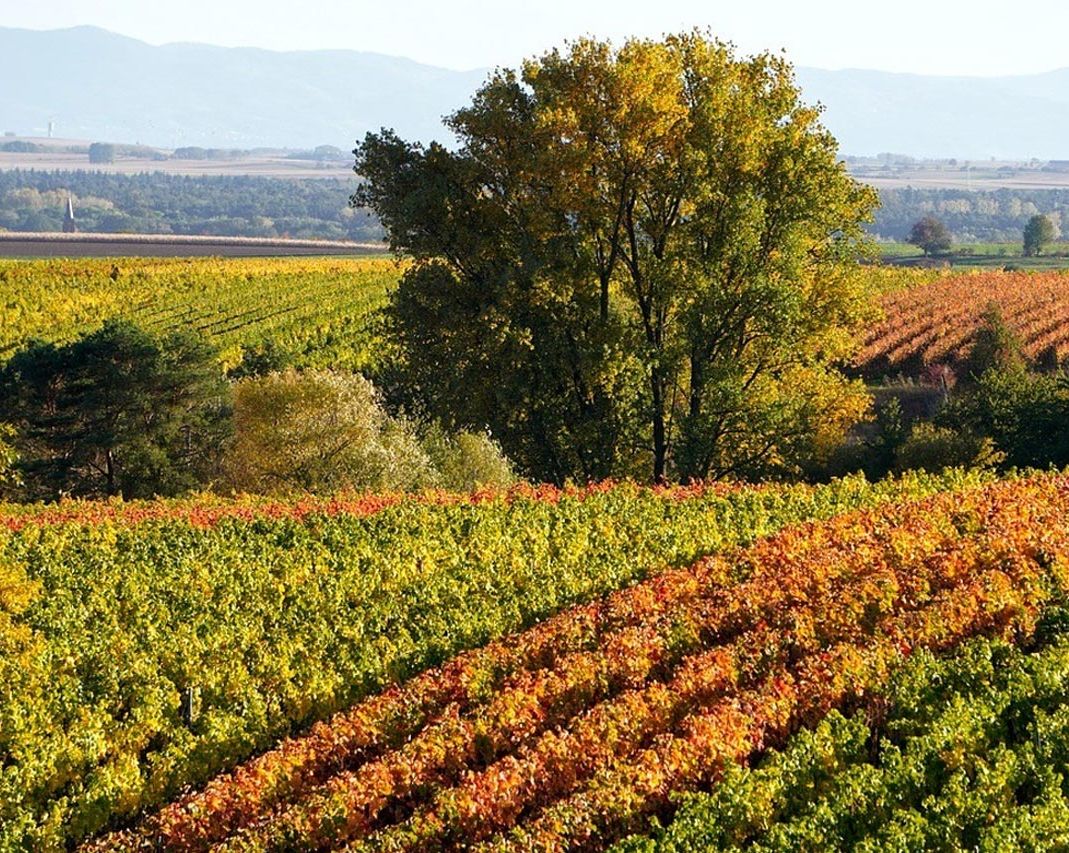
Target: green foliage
116, 412
9, 477
162, 203
891, 432
1025, 414
319, 431
639, 259
101, 152
990, 220
308, 312
261, 360
466, 461
933, 448
930, 235
995, 346
967, 753
164, 652
1037, 234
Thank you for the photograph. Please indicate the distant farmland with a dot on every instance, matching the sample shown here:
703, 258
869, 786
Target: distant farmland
52, 245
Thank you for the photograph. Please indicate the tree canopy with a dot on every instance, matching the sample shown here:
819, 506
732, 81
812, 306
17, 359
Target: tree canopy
1037, 234
116, 412
931, 235
640, 259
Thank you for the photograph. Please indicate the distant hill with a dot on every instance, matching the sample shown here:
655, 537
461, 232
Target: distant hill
98, 85
965, 117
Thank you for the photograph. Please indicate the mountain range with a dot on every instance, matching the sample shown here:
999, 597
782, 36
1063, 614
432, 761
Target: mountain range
97, 85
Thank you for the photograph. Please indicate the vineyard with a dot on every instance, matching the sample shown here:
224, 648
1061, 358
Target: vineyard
933, 323
582, 728
664, 636
962, 752
316, 310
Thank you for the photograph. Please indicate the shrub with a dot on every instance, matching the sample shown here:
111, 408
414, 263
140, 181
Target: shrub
1024, 414
933, 448
467, 461
995, 346
101, 152
316, 431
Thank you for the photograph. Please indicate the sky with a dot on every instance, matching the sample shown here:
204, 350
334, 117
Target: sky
953, 37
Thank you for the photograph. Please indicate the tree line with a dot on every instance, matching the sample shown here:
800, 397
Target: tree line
988, 216
158, 203
123, 412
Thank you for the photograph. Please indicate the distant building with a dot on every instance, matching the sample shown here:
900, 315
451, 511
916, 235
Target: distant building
1058, 165
69, 227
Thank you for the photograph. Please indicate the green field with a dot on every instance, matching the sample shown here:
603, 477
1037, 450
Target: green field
316, 310
979, 256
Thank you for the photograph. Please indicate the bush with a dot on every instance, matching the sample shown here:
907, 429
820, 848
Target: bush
1025, 414
933, 448
467, 461
101, 152
325, 431
995, 346
318, 431
8, 458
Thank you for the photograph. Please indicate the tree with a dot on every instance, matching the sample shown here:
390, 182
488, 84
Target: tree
9, 478
1038, 233
641, 256
101, 152
117, 412
931, 235
995, 346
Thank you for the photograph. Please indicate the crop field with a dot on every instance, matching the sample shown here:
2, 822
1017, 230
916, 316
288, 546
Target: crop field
564, 675
149, 647
933, 323
960, 751
314, 309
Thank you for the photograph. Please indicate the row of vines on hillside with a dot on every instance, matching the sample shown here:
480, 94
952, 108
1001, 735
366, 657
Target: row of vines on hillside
580, 729
313, 309
966, 751
149, 646
934, 323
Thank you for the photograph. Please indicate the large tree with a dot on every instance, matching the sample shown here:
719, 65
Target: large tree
116, 412
931, 235
637, 256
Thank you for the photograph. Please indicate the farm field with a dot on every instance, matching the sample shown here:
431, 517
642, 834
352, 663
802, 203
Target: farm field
313, 309
150, 646
717, 646
991, 256
51, 245
933, 323
962, 748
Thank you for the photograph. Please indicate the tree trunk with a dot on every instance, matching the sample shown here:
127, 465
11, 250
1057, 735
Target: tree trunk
109, 468
660, 443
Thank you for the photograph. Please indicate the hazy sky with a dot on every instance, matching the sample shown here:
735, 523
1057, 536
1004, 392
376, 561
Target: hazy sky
924, 36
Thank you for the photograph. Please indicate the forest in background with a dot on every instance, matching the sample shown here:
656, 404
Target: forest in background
317, 208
